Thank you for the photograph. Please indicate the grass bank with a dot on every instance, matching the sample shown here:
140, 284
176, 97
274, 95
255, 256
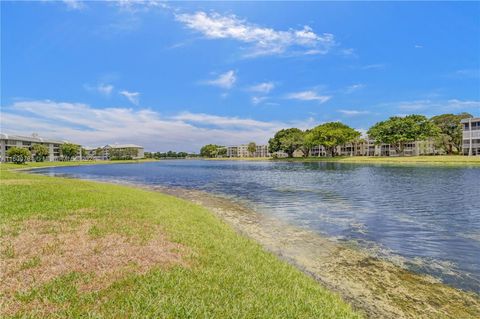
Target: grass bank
72, 248
408, 160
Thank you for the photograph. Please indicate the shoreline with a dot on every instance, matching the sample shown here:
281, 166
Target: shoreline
73, 248
376, 287
447, 160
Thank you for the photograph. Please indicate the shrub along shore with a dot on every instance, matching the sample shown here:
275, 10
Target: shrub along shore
74, 248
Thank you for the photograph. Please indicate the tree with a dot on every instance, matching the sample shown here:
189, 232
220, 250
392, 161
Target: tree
18, 155
69, 150
221, 151
286, 140
450, 136
308, 144
330, 135
211, 150
40, 152
397, 131
252, 148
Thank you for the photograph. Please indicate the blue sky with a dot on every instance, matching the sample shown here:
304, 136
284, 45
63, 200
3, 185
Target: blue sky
179, 75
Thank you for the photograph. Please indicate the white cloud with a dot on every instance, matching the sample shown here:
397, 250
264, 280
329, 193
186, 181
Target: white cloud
418, 46
74, 4
308, 96
263, 41
84, 124
225, 80
133, 97
353, 112
264, 87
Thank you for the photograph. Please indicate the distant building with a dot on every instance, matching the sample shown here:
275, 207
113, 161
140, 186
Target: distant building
471, 136
367, 147
121, 151
7, 141
242, 151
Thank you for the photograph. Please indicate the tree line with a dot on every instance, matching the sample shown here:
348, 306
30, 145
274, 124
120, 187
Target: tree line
169, 154
444, 129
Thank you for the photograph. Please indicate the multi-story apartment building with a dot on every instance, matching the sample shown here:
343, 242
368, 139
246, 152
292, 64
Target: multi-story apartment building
100, 153
369, 148
471, 136
242, 151
7, 141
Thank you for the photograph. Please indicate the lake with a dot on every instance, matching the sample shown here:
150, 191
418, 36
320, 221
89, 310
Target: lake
426, 217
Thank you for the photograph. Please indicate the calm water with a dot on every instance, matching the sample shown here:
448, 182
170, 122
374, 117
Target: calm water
426, 216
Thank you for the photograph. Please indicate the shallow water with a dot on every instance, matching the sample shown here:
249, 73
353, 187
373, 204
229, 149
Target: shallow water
427, 217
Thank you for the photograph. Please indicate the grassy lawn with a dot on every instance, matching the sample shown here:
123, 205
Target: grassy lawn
72, 248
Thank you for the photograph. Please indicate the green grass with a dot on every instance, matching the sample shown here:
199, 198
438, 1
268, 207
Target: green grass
407, 160
28, 165
229, 276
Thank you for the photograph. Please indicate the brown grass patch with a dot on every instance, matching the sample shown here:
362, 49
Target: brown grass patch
45, 250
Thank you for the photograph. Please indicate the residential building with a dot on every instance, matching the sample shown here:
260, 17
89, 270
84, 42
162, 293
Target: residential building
368, 147
7, 141
242, 151
122, 150
471, 136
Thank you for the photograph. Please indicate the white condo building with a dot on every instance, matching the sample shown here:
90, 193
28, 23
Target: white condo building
471, 136
242, 151
7, 141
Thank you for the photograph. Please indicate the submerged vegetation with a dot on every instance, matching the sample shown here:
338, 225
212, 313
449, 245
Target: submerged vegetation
74, 248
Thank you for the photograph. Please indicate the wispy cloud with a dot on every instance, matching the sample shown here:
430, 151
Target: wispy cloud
418, 46
84, 124
468, 73
133, 97
354, 87
348, 52
74, 4
354, 112
102, 88
105, 89
308, 96
258, 99
134, 6
226, 80
436, 106
375, 66
263, 41
264, 87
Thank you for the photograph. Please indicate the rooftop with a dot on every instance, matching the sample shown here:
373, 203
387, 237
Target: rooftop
473, 119
33, 138
123, 146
